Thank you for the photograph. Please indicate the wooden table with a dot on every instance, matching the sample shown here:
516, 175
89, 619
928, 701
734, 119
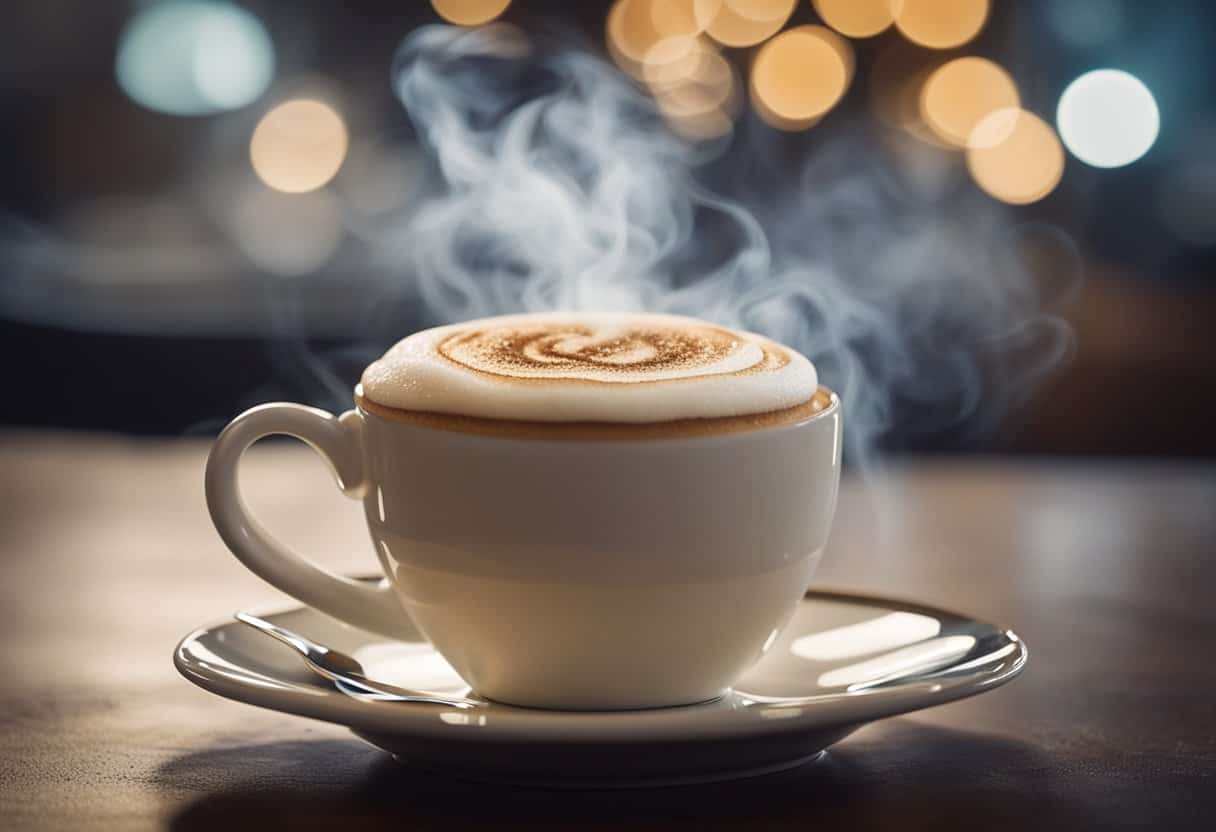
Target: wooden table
1107, 569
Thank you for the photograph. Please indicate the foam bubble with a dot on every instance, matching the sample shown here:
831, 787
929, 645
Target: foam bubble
557, 367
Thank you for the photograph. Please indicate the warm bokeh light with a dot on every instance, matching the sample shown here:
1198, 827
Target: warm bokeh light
298, 146
748, 22
1108, 118
672, 60
940, 24
194, 58
1022, 168
897, 80
699, 63
682, 17
630, 31
800, 75
958, 95
857, 18
470, 12
658, 42
700, 124
705, 103
661, 28
288, 235
781, 122
649, 45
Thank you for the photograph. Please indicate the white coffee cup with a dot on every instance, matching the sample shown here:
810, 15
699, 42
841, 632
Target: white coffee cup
568, 573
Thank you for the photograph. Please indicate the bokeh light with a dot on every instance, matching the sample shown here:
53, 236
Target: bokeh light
659, 43
800, 75
192, 58
689, 116
288, 235
470, 12
682, 17
1108, 118
940, 24
748, 22
1022, 167
1084, 22
857, 18
298, 146
897, 81
649, 38
1186, 204
378, 184
1185, 194
672, 61
958, 95
702, 103
630, 33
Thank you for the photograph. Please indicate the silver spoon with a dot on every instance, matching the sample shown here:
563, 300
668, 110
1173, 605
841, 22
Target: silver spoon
345, 671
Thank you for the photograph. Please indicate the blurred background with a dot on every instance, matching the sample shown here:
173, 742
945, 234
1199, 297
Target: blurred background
992, 224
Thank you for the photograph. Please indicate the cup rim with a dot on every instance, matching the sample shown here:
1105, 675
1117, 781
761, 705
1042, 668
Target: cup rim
536, 431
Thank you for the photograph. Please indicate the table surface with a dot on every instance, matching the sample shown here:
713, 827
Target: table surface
1106, 569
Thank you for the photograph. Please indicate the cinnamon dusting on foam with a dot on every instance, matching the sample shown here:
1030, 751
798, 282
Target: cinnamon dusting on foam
560, 368
823, 401
577, 352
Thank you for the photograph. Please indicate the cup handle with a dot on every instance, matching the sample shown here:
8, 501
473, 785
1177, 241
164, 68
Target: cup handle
339, 442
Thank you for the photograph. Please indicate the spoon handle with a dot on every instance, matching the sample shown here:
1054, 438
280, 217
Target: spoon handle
344, 671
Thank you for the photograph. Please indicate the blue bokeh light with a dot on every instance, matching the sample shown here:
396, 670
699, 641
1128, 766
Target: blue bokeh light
1108, 118
194, 57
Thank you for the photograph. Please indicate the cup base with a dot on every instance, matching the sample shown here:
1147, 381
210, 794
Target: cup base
602, 707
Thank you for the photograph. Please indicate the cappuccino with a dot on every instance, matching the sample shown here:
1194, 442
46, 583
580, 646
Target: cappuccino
575, 574
586, 372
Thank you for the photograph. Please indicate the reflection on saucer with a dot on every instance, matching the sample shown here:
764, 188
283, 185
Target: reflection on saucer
886, 632
417, 665
843, 661
916, 660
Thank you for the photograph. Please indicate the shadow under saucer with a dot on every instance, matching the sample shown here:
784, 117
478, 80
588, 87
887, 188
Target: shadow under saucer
901, 773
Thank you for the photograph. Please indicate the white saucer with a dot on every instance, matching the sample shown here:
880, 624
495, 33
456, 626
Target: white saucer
842, 662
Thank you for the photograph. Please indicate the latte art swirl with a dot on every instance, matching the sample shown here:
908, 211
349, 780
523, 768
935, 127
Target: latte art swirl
627, 352
554, 367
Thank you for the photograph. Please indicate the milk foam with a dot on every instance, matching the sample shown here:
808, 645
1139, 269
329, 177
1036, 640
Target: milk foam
559, 367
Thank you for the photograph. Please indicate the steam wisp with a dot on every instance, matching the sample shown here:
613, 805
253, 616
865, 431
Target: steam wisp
560, 189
